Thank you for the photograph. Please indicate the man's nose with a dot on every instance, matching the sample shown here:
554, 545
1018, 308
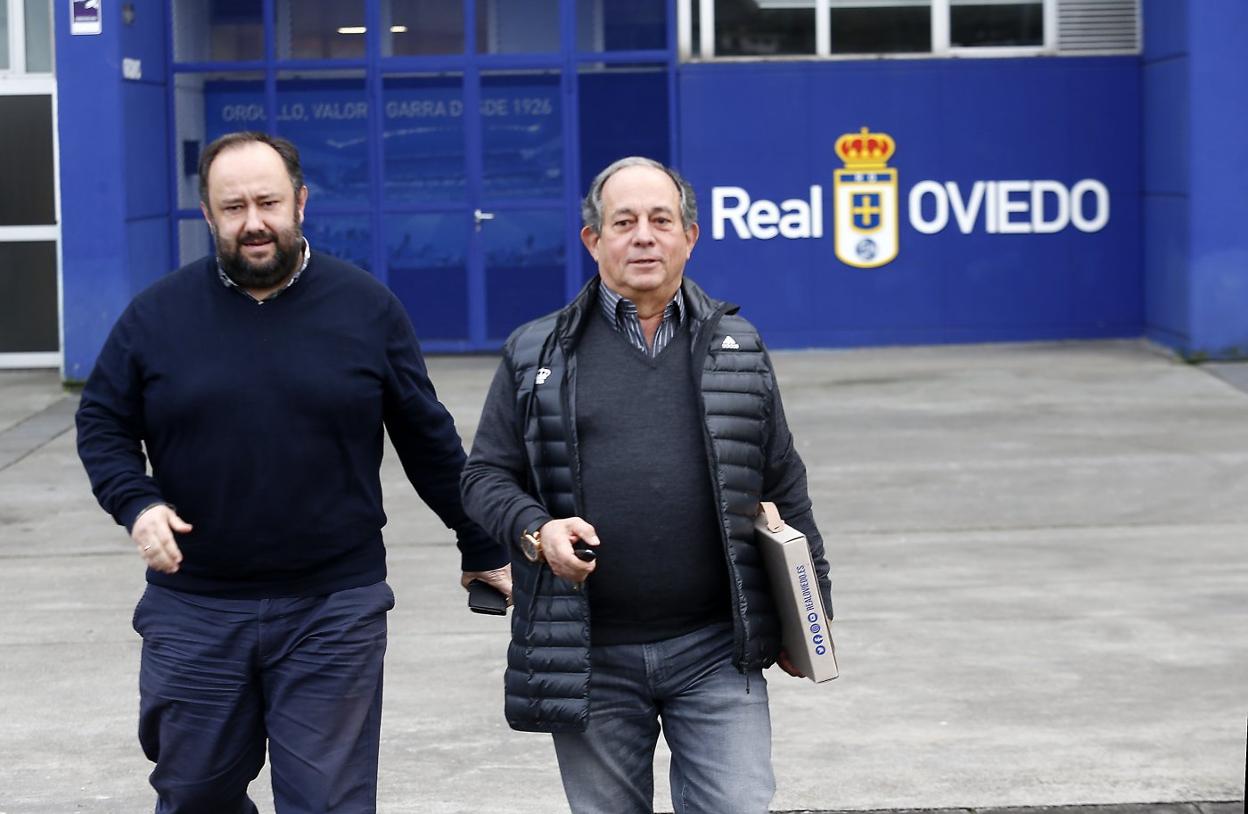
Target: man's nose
254, 222
643, 234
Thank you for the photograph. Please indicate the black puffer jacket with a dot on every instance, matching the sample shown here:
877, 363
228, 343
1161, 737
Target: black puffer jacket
524, 470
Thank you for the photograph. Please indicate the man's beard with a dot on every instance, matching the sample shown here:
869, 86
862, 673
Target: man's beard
287, 254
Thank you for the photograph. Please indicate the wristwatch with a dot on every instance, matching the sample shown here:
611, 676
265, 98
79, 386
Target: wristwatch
531, 545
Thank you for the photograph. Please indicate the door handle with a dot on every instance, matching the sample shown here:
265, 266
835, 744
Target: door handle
479, 217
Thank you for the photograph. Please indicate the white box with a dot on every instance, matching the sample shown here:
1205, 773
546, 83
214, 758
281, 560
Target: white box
795, 589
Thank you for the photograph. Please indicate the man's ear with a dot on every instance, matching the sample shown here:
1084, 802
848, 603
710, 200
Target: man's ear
203, 207
301, 200
590, 238
692, 234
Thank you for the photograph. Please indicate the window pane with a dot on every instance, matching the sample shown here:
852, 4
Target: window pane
522, 132
422, 27
635, 123
524, 268
423, 141
38, 36
976, 23
28, 309
217, 30
763, 28
517, 26
427, 263
194, 241
621, 25
326, 116
695, 47
880, 30
27, 185
320, 29
4, 36
347, 237
207, 106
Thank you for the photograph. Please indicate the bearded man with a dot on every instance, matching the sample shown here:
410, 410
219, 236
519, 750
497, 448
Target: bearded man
259, 382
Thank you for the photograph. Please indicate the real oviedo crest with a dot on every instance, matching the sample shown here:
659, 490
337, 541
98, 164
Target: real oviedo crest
865, 200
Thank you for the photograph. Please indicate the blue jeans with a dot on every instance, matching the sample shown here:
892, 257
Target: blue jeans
221, 677
719, 734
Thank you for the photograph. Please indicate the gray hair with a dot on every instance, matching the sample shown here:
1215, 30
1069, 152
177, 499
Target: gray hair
591, 207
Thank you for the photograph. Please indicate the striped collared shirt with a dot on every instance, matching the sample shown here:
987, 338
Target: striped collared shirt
228, 283
622, 315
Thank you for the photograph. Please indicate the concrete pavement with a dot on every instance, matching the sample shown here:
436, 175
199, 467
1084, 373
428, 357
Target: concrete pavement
1039, 568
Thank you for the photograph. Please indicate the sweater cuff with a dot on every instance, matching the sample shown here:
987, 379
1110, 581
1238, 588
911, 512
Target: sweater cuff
477, 552
131, 510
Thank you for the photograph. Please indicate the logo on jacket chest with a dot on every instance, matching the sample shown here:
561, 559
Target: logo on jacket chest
543, 373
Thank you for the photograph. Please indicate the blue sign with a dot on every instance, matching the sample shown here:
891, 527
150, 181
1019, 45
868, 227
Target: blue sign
923, 201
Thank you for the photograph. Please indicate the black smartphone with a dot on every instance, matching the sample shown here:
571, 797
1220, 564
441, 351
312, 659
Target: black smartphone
583, 552
484, 598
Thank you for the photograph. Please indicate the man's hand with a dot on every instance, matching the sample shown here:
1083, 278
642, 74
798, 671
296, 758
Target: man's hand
787, 665
498, 578
153, 534
557, 539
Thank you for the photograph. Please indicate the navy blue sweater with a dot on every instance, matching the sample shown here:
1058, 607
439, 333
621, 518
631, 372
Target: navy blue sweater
263, 425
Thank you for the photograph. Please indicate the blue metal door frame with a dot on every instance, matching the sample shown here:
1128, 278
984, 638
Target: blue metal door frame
470, 65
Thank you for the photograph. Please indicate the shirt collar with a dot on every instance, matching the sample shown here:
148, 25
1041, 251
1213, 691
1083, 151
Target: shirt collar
615, 306
307, 255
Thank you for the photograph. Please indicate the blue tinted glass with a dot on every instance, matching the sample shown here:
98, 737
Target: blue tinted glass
421, 27
524, 267
327, 119
621, 25
320, 29
217, 30
517, 26
427, 264
521, 121
424, 139
347, 237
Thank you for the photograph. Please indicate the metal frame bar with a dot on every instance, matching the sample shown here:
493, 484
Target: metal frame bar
474, 170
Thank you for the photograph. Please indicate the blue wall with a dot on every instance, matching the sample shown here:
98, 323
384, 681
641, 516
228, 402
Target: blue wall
1162, 134
770, 129
114, 173
1195, 162
1218, 157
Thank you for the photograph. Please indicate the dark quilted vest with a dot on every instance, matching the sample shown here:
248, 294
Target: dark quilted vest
548, 665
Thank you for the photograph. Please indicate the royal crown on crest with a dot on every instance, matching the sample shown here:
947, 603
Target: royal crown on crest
865, 150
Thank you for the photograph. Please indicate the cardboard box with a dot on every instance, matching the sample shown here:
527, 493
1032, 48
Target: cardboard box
795, 589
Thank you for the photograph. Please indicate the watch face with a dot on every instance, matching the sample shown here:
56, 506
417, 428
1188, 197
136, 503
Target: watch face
531, 550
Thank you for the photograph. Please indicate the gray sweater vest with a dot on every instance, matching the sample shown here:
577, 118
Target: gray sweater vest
662, 570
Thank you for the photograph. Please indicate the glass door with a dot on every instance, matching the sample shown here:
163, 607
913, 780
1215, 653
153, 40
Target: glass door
474, 167
519, 219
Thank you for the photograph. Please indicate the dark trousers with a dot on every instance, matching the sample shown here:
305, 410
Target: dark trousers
221, 677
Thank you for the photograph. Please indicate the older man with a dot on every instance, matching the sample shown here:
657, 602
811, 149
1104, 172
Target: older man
259, 382
624, 448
